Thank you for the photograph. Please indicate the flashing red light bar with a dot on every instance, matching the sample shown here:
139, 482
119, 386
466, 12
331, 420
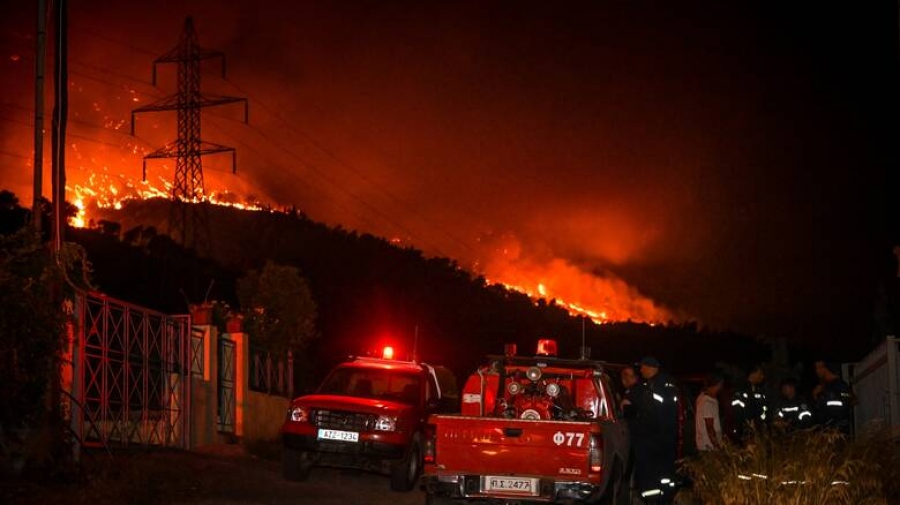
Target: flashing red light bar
546, 347
387, 352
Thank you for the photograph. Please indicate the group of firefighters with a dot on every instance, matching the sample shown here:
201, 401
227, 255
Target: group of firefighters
650, 405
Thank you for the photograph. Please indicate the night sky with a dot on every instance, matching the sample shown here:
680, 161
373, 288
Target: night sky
733, 161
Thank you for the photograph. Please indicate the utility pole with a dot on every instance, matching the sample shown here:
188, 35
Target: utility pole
60, 117
40, 65
188, 221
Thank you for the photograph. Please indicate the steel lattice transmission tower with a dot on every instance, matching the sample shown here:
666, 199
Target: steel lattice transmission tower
188, 220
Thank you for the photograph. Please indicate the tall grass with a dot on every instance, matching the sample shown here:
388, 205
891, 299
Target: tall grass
805, 467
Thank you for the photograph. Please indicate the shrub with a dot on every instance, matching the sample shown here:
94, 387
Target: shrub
35, 287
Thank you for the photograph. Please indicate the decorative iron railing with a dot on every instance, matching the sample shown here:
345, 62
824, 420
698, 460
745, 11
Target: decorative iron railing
129, 367
271, 375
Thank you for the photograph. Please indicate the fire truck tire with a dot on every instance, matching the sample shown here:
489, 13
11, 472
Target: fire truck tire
295, 465
405, 472
617, 492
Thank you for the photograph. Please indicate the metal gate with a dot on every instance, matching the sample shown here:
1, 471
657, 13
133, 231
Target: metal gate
226, 385
131, 375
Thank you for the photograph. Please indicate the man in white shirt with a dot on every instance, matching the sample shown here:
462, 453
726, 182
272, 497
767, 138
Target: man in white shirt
708, 425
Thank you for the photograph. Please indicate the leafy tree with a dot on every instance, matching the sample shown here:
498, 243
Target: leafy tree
280, 310
32, 335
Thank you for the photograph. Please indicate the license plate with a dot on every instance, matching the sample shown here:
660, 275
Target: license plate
343, 436
511, 485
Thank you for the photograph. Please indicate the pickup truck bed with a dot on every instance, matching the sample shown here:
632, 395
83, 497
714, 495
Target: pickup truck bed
515, 443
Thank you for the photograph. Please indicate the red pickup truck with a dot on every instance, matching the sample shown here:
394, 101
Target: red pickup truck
369, 414
540, 429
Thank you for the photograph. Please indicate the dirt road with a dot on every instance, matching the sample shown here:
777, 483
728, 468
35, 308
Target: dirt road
221, 477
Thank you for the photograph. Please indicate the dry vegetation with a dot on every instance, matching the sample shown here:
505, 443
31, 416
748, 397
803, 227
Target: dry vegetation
806, 467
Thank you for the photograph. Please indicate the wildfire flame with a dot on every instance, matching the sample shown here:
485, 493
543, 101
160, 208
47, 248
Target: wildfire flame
103, 190
94, 186
601, 298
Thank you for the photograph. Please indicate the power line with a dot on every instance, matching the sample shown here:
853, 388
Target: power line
292, 127
296, 177
14, 155
344, 190
302, 181
309, 138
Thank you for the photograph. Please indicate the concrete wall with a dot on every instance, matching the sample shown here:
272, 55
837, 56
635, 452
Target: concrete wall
258, 416
264, 416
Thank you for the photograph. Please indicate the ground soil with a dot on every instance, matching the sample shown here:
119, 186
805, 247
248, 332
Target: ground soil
222, 474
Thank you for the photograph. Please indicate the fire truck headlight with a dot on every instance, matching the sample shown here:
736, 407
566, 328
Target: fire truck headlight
298, 414
553, 390
514, 388
533, 374
386, 423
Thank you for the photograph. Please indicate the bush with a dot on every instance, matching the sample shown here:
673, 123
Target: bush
35, 285
805, 467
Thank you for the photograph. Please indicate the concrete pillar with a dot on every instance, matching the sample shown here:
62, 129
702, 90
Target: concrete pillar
204, 393
241, 379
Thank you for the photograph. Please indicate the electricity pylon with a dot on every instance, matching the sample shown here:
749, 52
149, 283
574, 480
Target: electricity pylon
188, 218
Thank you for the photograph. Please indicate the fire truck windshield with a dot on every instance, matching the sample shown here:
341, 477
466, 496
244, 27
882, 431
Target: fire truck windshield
391, 385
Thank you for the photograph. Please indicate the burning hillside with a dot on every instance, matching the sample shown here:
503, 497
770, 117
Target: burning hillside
339, 180
602, 297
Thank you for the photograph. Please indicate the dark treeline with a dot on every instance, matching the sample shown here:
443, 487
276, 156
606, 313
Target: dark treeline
371, 293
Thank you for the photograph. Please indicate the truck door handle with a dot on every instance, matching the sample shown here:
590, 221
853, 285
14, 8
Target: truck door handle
512, 432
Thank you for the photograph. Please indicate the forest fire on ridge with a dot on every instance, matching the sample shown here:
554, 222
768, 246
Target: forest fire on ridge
601, 298
103, 190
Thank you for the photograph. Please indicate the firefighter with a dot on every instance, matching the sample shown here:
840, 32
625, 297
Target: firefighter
629, 379
792, 410
833, 399
655, 429
630, 385
708, 425
750, 404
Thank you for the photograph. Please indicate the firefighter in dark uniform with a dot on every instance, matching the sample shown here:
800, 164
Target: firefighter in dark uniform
629, 379
655, 428
792, 411
833, 399
630, 384
750, 405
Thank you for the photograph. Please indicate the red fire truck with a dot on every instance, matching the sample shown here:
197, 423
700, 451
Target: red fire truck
540, 428
370, 414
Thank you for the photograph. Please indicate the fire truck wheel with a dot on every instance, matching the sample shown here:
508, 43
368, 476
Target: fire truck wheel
295, 465
405, 472
617, 489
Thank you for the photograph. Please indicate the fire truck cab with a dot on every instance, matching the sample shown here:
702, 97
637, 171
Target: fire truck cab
368, 413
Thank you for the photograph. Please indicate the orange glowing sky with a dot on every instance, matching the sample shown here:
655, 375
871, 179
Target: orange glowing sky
712, 160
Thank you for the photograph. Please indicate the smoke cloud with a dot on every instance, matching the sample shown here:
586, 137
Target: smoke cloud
653, 161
